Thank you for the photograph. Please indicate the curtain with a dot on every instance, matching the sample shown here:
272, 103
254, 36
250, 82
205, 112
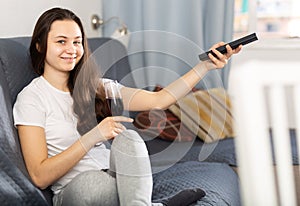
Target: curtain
166, 36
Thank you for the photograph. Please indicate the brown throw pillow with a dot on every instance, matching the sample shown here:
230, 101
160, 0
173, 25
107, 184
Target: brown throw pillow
207, 113
163, 124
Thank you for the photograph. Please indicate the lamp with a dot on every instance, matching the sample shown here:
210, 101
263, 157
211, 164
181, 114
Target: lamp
121, 33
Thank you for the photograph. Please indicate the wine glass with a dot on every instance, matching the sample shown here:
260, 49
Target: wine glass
113, 97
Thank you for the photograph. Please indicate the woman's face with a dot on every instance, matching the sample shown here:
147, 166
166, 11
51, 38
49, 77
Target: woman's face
64, 46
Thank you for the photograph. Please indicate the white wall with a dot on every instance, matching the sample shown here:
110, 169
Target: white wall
18, 17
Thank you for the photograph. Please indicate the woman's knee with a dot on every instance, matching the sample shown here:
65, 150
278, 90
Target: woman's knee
129, 142
129, 155
132, 135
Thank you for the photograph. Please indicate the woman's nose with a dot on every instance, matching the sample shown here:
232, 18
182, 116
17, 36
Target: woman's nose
71, 48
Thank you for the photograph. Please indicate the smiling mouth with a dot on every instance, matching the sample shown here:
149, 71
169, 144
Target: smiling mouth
68, 58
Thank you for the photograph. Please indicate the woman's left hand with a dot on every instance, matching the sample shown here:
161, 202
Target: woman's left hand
222, 59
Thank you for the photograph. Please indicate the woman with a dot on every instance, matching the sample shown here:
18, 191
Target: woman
61, 142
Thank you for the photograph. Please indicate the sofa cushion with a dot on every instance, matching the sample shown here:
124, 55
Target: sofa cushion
207, 176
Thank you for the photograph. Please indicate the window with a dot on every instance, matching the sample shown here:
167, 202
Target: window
269, 18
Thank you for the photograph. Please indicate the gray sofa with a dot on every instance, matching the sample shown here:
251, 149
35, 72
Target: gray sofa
171, 174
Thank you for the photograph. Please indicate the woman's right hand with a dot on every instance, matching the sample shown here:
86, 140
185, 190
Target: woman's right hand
110, 127
220, 60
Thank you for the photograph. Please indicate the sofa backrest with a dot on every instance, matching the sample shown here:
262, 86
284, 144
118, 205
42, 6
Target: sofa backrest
112, 57
15, 64
15, 73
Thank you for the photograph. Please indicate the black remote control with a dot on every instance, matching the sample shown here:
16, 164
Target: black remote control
234, 44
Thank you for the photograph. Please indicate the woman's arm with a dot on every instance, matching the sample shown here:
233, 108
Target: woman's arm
45, 171
139, 100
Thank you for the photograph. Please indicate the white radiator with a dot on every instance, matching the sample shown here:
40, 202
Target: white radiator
260, 99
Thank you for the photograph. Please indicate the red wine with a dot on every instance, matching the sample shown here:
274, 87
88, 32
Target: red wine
115, 106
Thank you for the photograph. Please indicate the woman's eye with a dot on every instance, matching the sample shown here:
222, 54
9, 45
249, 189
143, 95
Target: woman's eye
77, 42
61, 41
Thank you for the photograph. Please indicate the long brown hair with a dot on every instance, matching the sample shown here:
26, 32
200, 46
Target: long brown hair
84, 80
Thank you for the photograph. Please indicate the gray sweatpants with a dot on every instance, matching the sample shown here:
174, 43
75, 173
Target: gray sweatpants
131, 186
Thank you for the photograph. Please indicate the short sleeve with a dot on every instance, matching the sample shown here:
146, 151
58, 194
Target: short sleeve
104, 80
29, 110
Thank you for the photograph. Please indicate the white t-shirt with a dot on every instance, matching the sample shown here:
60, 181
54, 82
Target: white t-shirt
41, 104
